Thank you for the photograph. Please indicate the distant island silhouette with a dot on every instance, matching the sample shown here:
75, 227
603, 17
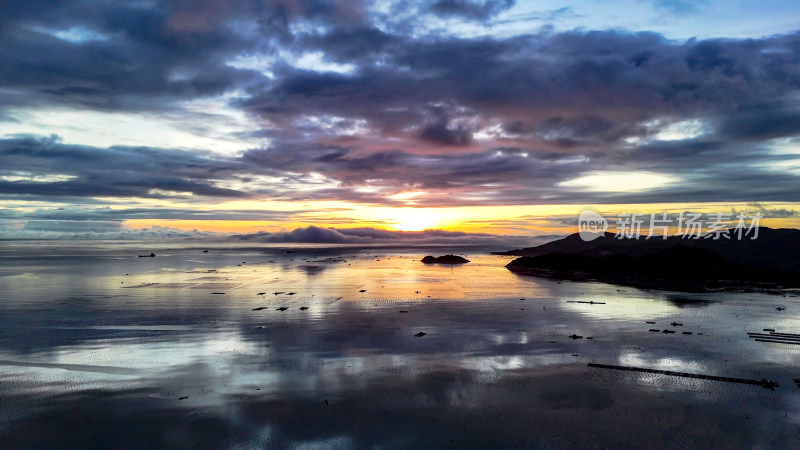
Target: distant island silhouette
770, 261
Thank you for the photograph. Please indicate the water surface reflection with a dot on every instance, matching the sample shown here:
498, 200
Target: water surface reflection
189, 348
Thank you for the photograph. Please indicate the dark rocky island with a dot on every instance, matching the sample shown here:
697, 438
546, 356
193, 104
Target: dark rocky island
445, 259
771, 261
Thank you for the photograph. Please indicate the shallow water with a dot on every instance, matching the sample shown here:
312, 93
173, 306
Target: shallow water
99, 347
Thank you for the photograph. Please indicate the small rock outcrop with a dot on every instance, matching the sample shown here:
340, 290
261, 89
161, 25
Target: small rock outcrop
445, 259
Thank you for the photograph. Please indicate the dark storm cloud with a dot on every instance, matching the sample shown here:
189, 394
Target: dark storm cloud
149, 57
142, 64
152, 57
561, 89
140, 55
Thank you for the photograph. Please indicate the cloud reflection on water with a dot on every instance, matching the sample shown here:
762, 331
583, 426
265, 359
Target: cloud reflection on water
491, 368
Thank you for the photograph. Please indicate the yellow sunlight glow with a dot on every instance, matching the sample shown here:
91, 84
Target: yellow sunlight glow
518, 219
411, 219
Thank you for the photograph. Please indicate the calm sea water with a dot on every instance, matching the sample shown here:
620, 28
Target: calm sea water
101, 348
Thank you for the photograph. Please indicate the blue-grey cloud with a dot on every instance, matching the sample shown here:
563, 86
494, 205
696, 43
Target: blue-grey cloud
101, 172
709, 169
471, 9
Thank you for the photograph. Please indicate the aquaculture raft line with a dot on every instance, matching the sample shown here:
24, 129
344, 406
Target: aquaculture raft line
767, 384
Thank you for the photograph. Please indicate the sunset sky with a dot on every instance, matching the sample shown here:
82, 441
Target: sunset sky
158, 118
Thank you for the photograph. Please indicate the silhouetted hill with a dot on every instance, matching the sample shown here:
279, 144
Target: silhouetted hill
674, 263
774, 248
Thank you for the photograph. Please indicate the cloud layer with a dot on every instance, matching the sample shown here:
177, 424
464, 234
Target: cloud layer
318, 235
357, 101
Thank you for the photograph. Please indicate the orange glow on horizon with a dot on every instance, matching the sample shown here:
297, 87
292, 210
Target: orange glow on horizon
509, 220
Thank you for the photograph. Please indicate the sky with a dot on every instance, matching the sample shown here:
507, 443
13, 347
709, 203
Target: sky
264, 118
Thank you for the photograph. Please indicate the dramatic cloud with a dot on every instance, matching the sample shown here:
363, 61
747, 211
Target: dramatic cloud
704, 170
366, 101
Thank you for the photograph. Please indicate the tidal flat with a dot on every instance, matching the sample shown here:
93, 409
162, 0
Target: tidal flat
344, 347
